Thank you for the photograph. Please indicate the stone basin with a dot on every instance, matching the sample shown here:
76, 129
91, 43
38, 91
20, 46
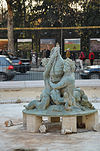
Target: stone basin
71, 120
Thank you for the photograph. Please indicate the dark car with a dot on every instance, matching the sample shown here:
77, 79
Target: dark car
7, 71
21, 65
91, 72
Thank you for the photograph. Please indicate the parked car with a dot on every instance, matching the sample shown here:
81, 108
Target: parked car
91, 72
7, 71
21, 65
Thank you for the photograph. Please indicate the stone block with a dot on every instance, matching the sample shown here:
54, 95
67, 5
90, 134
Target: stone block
69, 123
33, 123
24, 120
90, 120
97, 127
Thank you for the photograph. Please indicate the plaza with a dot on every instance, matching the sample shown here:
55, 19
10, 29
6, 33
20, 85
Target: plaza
16, 137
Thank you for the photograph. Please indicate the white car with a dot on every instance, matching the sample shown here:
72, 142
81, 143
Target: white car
91, 72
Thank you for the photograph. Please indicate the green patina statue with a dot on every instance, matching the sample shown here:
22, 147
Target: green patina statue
60, 92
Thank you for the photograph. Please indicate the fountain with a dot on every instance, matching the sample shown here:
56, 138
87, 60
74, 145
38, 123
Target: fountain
60, 99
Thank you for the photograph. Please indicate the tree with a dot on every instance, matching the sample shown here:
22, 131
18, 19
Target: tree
10, 27
16, 11
53, 13
48, 13
89, 16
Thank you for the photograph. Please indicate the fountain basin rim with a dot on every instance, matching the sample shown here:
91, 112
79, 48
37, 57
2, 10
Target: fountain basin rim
58, 114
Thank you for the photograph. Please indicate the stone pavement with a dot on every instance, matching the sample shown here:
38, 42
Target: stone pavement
12, 91
16, 137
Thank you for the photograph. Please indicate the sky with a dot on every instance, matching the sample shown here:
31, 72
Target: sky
4, 4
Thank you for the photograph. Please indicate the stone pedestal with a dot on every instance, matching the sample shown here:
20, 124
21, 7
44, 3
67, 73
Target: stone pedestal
32, 122
69, 123
24, 120
90, 120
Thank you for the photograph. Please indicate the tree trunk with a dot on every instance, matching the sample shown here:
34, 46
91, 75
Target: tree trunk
10, 29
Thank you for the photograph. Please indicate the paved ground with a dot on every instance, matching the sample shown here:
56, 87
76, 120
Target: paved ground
25, 95
28, 94
16, 137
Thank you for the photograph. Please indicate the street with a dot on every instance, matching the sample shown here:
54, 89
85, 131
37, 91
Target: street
29, 75
34, 75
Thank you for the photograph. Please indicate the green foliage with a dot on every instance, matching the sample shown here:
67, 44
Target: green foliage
91, 13
90, 16
56, 13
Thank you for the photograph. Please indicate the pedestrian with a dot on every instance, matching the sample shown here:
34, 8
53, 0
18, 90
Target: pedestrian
81, 59
1, 51
72, 56
47, 53
34, 58
91, 57
82, 56
68, 53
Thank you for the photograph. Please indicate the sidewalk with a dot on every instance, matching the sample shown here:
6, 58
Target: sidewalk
26, 91
39, 69
40, 83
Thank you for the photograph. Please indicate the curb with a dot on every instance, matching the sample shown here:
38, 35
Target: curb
40, 83
21, 84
